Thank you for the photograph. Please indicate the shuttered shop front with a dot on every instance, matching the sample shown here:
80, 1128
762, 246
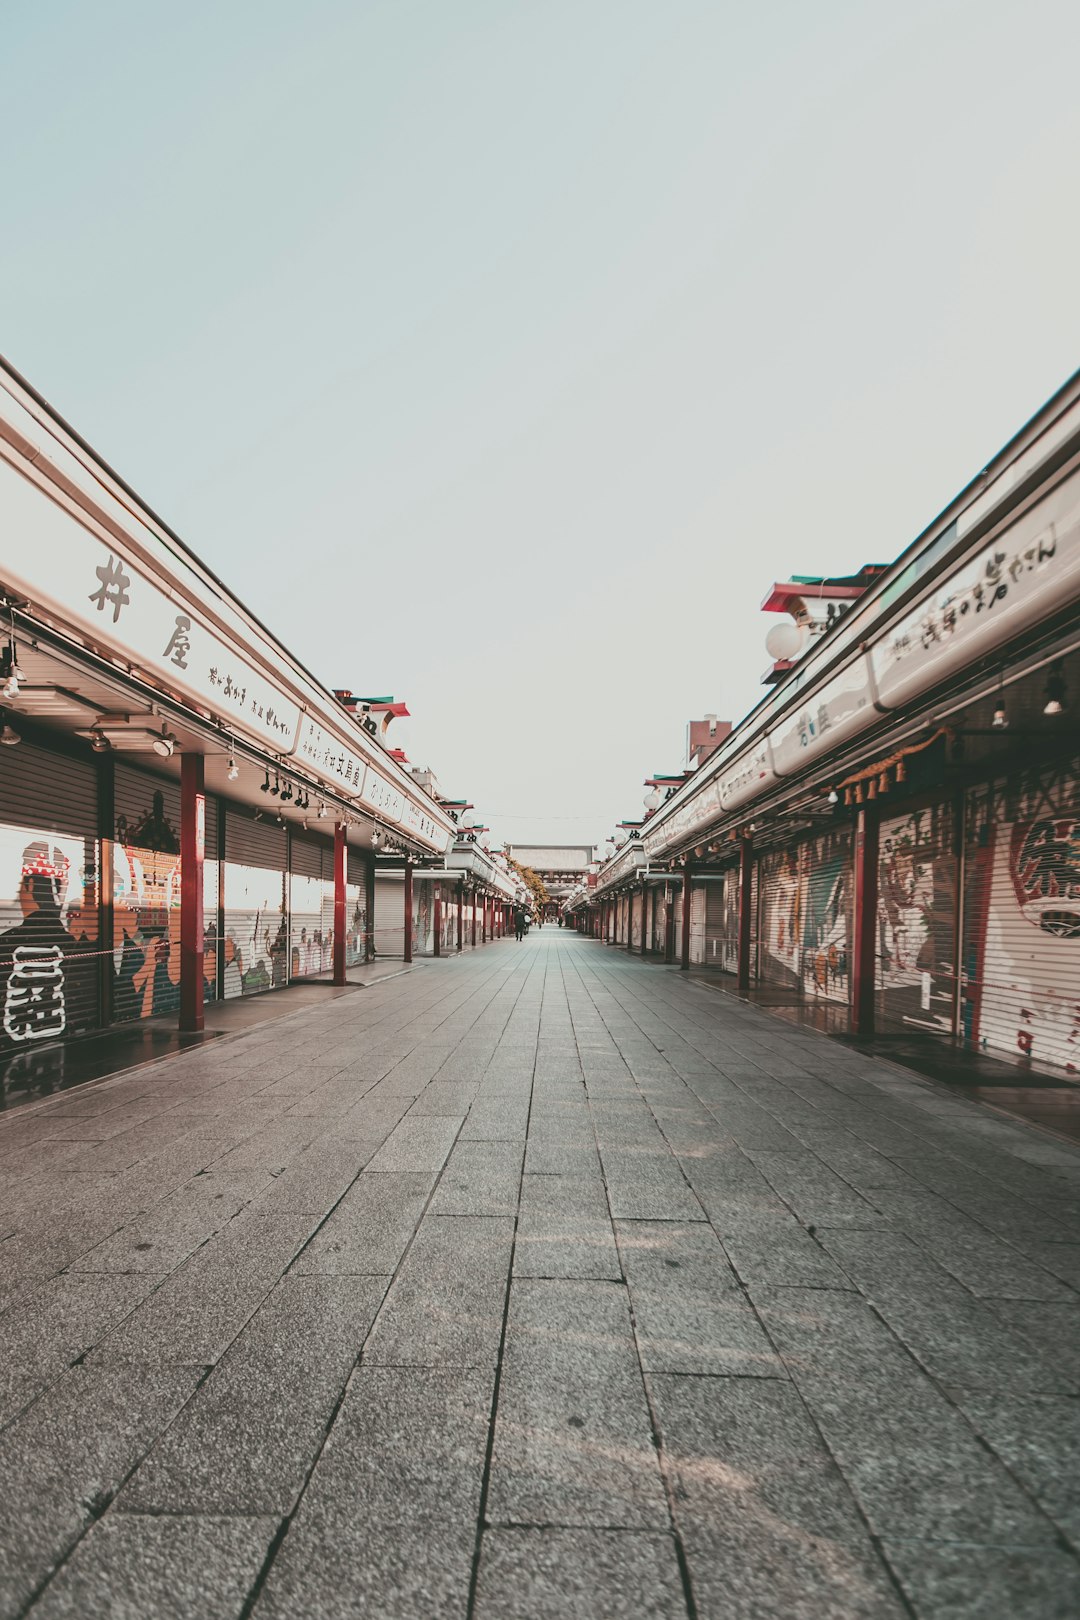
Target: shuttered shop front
722, 921
805, 911
52, 957
255, 947
311, 907
1021, 933
146, 895
915, 941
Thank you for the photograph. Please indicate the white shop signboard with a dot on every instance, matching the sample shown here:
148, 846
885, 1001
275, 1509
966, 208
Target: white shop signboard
382, 797
61, 564
423, 826
325, 754
827, 718
1029, 571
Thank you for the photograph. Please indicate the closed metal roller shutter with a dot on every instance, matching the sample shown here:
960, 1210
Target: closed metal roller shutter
1021, 927
722, 921
146, 894
805, 916
52, 956
255, 947
311, 906
780, 907
915, 950
355, 907
828, 865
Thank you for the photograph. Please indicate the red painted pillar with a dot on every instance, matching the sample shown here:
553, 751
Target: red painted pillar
369, 907
460, 913
866, 872
644, 916
687, 891
474, 919
630, 920
438, 919
669, 924
746, 887
408, 911
341, 867
192, 847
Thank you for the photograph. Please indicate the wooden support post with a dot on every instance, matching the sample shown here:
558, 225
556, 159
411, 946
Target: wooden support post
866, 874
408, 912
687, 891
341, 872
369, 907
192, 849
746, 890
437, 910
460, 913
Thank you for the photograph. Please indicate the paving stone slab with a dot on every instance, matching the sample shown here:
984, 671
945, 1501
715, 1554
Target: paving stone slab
917, 1468
247, 1440
1038, 1438
65, 1457
951, 1581
648, 1184
445, 1306
54, 1324
163, 1239
417, 1573
194, 1315
480, 1178
984, 1263
573, 1441
418, 1143
555, 1574
408, 1446
690, 1314
131, 1567
955, 1336
564, 1229
372, 1226
777, 1252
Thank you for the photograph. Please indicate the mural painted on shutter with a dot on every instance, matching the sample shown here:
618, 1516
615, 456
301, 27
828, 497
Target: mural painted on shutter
48, 947
806, 916
827, 910
1022, 925
781, 917
915, 981
146, 913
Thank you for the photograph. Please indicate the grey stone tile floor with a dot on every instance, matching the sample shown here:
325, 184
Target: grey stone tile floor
538, 1282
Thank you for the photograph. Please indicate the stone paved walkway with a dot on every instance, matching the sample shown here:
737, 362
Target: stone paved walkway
535, 1283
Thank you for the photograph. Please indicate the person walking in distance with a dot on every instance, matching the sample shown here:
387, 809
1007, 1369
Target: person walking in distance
519, 923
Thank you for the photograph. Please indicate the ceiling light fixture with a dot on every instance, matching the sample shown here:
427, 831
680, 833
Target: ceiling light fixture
165, 745
1054, 691
234, 770
266, 785
9, 736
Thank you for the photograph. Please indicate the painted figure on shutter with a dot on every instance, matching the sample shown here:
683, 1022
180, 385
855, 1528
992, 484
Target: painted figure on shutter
34, 955
146, 910
1022, 918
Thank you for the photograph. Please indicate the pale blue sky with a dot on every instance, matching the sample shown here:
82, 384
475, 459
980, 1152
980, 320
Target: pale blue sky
499, 354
